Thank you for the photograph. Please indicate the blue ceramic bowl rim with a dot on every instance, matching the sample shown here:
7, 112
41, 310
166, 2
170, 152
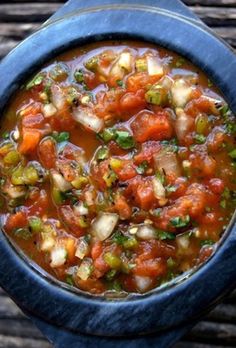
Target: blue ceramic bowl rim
156, 310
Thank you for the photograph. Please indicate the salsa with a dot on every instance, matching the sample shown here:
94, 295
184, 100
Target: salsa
117, 167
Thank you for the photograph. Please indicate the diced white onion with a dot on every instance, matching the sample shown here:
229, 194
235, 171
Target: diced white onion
180, 92
125, 61
16, 135
88, 119
167, 162
89, 197
159, 190
154, 66
47, 243
85, 269
142, 283
49, 110
104, 224
58, 257
146, 232
80, 209
166, 82
82, 249
14, 191
183, 241
60, 182
57, 97
183, 123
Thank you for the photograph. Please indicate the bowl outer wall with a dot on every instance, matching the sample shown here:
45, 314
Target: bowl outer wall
160, 309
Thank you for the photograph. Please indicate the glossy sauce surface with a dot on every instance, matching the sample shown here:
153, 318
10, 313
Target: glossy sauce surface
117, 167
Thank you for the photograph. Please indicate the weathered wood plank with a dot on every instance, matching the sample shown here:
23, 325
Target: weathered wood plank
210, 2
187, 2
9, 41
223, 313
17, 31
216, 16
38, 12
19, 328
185, 344
214, 333
19, 342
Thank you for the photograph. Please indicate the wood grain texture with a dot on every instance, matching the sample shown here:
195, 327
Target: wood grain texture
18, 19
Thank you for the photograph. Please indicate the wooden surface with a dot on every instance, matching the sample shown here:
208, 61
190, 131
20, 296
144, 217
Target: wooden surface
19, 18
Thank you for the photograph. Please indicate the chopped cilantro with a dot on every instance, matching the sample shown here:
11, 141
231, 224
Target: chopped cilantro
119, 238
179, 222
171, 188
226, 193
111, 274
141, 169
223, 203
120, 83
232, 154
200, 138
124, 140
79, 76
70, 280
170, 262
61, 137
209, 83
180, 62
161, 177
6, 135
23, 233
107, 135
163, 235
206, 242
102, 153
36, 81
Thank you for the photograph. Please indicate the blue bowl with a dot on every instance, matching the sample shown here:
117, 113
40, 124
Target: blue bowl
186, 298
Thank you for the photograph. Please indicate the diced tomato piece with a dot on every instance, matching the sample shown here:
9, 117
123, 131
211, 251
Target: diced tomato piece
202, 104
147, 151
203, 163
33, 121
141, 191
96, 250
108, 103
40, 204
71, 221
94, 286
132, 102
66, 169
47, 153
123, 208
150, 268
210, 218
31, 110
63, 121
30, 140
17, 220
126, 171
215, 139
216, 185
153, 248
150, 126
140, 80
70, 246
115, 149
192, 204
98, 171
145, 196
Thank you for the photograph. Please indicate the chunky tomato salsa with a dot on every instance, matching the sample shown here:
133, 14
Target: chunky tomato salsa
117, 166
